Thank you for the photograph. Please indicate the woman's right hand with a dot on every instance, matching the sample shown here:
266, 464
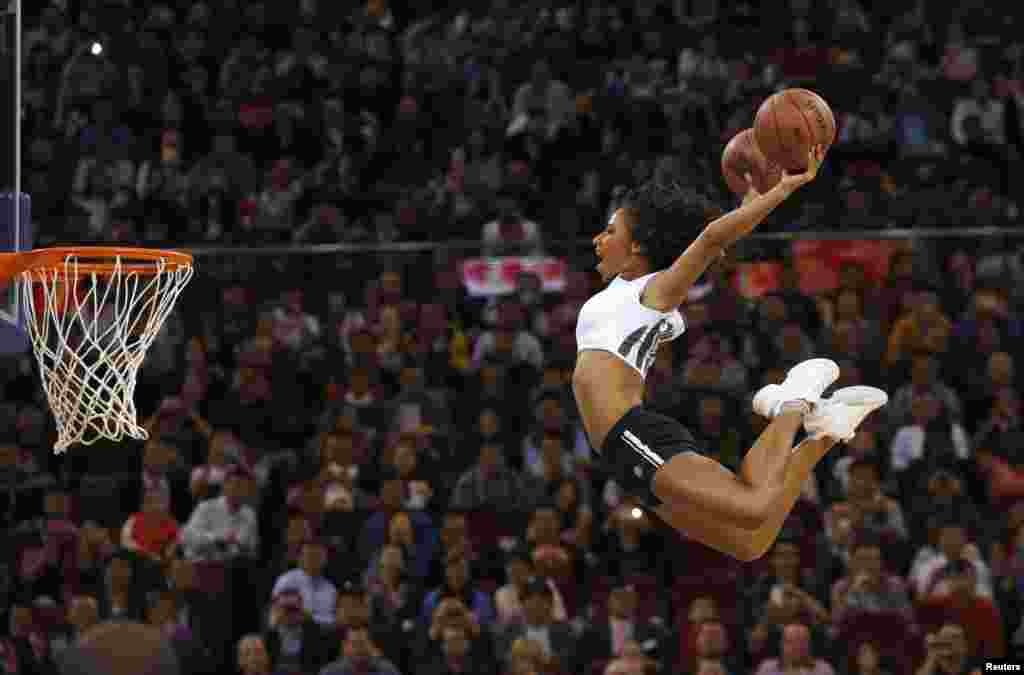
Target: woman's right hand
791, 182
752, 192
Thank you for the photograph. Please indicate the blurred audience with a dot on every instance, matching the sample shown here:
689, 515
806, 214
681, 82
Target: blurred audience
384, 471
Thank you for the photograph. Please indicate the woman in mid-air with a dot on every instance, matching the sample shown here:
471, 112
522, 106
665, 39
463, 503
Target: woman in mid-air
618, 332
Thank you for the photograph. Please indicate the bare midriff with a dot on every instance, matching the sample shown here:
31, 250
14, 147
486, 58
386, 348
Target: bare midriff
606, 388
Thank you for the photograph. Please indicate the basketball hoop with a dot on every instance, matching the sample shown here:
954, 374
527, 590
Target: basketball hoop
92, 313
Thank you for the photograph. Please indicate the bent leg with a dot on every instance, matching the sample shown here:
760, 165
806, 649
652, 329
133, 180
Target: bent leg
694, 479
695, 520
691, 478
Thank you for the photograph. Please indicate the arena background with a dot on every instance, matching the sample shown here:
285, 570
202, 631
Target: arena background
390, 208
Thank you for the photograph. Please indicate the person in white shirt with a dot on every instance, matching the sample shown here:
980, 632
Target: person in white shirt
508, 599
908, 445
510, 233
293, 326
986, 109
927, 572
319, 595
543, 91
225, 527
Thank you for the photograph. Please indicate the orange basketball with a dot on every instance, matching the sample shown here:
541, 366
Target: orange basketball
789, 123
742, 156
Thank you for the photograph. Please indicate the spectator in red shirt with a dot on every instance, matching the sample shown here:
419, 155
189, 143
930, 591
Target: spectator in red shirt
152, 531
964, 606
868, 588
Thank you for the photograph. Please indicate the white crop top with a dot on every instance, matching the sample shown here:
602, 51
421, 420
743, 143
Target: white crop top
614, 320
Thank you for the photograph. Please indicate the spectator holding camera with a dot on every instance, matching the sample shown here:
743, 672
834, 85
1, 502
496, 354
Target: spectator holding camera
319, 595
508, 599
556, 638
788, 605
869, 588
946, 652
225, 527
928, 573
452, 613
458, 583
613, 636
295, 642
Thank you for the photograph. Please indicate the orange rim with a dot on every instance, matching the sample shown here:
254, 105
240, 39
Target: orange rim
91, 260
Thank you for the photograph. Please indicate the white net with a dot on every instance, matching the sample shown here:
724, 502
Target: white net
90, 331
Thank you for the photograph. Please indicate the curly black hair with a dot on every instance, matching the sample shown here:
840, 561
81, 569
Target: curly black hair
665, 218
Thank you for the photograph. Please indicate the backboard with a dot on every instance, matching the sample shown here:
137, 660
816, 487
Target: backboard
16, 234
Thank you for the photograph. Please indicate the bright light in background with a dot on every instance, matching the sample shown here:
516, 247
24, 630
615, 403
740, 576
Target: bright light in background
96, 49
636, 513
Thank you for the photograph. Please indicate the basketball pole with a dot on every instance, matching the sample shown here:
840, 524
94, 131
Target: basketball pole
17, 123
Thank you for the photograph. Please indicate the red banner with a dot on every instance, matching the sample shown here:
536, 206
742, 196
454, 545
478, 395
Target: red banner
819, 263
498, 276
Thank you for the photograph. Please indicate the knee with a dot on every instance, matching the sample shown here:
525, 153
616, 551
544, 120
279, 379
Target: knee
759, 508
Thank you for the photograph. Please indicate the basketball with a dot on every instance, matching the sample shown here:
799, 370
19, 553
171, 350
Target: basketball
742, 156
788, 123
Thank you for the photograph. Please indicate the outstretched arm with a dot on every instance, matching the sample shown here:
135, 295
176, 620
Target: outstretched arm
669, 288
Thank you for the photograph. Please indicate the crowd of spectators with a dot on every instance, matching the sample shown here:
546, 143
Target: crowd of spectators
373, 473
250, 122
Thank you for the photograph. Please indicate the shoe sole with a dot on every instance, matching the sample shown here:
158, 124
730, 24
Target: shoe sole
866, 399
860, 396
827, 368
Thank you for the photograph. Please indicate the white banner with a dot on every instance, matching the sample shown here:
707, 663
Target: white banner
486, 277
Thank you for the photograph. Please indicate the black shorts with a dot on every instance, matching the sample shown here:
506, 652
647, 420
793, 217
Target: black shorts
638, 445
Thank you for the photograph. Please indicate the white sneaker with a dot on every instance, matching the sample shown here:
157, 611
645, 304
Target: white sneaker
805, 381
840, 414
